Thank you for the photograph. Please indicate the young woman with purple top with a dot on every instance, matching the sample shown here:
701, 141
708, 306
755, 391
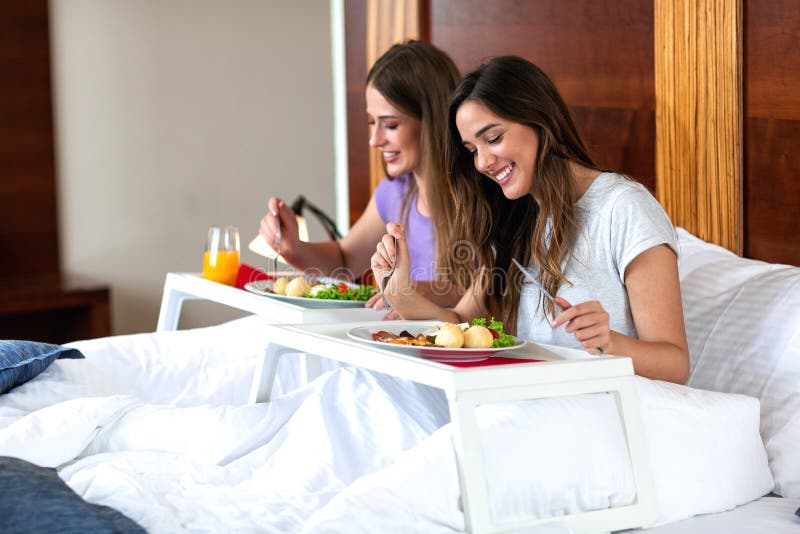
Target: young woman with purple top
408, 93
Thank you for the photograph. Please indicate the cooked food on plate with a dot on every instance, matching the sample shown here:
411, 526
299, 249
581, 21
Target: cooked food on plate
404, 338
453, 336
279, 287
478, 337
297, 287
303, 287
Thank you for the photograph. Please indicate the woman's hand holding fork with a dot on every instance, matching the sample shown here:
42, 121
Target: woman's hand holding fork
391, 266
279, 228
396, 283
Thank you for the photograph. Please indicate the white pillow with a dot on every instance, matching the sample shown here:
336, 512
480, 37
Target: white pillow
705, 449
556, 456
743, 327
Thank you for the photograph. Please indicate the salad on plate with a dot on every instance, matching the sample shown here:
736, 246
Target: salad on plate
332, 290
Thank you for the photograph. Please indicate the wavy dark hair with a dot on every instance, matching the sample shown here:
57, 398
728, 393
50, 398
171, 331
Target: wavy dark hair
540, 227
418, 79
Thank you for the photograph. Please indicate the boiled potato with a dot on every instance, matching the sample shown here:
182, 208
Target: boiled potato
279, 287
297, 287
478, 337
450, 336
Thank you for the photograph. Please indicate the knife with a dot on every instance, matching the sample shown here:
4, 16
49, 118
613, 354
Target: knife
532, 279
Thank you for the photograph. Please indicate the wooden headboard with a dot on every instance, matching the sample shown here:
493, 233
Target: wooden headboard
634, 73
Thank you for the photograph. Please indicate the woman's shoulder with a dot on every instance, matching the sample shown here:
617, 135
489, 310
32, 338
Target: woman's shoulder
630, 215
610, 188
616, 195
612, 184
392, 186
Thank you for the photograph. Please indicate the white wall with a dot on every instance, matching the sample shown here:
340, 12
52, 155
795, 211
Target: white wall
172, 115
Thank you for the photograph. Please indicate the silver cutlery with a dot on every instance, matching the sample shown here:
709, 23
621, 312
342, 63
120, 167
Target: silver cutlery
277, 244
388, 275
532, 279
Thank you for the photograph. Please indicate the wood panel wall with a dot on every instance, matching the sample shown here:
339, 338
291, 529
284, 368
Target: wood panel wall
610, 90
358, 163
601, 55
28, 224
772, 130
36, 300
388, 22
699, 117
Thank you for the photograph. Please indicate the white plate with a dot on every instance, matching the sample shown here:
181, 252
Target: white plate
439, 354
264, 287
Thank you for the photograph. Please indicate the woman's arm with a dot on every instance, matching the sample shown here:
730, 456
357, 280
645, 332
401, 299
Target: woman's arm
653, 286
442, 293
352, 252
654, 291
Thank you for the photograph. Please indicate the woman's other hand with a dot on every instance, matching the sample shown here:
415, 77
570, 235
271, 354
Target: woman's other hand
588, 322
376, 303
284, 240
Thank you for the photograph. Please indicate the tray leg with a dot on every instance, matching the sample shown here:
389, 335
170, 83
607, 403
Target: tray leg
171, 303
264, 377
469, 460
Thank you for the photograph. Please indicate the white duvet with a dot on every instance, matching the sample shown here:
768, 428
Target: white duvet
157, 426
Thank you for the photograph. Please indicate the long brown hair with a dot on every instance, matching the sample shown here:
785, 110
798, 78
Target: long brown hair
497, 229
418, 79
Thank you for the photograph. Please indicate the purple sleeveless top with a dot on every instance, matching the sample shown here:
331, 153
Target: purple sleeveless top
419, 229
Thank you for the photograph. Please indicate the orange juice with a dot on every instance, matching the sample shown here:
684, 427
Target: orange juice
222, 266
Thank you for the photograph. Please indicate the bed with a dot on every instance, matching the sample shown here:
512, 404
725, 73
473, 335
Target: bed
158, 426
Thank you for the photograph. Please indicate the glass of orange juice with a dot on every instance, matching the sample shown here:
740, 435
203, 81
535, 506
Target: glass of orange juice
221, 256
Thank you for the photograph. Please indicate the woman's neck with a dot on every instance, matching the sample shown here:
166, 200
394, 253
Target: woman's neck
422, 195
583, 176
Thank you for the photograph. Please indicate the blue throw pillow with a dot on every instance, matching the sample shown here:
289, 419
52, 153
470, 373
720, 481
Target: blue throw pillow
35, 499
22, 360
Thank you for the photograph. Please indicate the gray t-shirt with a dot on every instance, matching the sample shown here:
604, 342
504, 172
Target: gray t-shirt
618, 219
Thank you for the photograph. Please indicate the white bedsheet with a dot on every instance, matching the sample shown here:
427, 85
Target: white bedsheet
157, 426
767, 515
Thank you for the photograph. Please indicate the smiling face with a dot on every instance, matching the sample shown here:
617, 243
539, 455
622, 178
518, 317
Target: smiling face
503, 150
394, 133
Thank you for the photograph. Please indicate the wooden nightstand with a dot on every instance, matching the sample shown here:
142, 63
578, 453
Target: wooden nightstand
53, 308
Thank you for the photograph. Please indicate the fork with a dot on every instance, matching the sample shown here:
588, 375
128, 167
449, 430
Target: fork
389, 275
532, 279
277, 244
